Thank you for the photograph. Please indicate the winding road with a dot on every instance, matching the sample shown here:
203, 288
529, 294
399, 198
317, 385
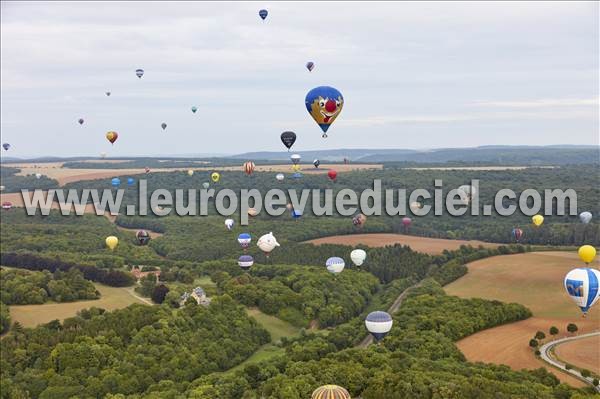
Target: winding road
548, 356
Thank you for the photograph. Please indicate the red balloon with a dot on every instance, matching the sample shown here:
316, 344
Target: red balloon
332, 174
406, 221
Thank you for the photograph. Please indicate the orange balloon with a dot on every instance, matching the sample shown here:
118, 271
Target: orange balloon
112, 137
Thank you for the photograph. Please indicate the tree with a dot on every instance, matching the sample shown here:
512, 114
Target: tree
533, 343
585, 373
159, 293
540, 335
572, 328
553, 330
595, 382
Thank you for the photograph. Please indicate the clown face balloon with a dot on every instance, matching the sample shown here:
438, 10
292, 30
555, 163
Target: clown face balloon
324, 104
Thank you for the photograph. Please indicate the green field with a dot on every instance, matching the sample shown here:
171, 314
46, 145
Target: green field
276, 327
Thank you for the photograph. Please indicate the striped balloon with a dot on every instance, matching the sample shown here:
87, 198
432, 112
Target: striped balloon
330, 392
248, 167
335, 265
379, 323
582, 285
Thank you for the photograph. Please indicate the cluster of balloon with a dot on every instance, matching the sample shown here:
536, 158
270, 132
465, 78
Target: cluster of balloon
537, 220
112, 136
406, 222
332, 174
215, 177
324, 104
194, 109
6, 146
143, 237
116, 182
310, 66
245, 262
359, 220
139, 73
190, 172
244, 239
267, 243
517, 234
335, 265
6, 205
80, 121
288, 139
280, 176
379, 324
163, 125
358, 257
583, 284
330, 392
585, 217
112, 242
130, 181
229, 224
316, 162
248, 167
263, 14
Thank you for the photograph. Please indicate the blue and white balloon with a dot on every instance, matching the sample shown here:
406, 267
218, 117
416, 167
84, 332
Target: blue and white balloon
244, 239
335, 265
245, 261
582, 285
379, 324
116, 182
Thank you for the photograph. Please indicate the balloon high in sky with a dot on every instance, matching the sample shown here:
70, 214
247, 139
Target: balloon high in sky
324, 104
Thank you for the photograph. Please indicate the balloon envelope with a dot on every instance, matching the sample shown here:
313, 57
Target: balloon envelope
206, 185
587, 253
358, 256
379, 323
310, 66
245, 261
194, 109
248, 167
330, 392
359, 220
6, 146
190, 172
517, 234
163, 125
288, 139
267, 243
295, 159
143, 237
324, 104
6, 205
130, 181
38, 176
111, 242
585, 217
263, 14
116, 182
335, 265
80, 121
538, 220
280, 176
332, 174
139, 73
244, 239
229, 223
112, 136
316, 162
582, 285
215, 176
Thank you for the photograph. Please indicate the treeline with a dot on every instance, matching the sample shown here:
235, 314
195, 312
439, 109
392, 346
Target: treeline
21, 287
139, 349
13, 183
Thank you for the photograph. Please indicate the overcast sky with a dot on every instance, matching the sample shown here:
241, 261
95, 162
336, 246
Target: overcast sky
413, 75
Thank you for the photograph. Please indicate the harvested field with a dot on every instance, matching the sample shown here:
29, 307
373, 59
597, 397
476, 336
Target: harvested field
581, 353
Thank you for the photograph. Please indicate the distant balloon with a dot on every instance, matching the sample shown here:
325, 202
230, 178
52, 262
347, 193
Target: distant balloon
288, 139
316, 162
517, 234
38, 176
112, 242
116, 182
190, 172
538, 220
582, 285
335, 265
143, 237
215, 177
324, 104
245, 262
330, 392
80, 121
2, 188
229, 223
359, 220
310, 66
332, 174
587, 253
415, 206
147, 170
139, 73
6, 146
112, 137
289, 206
206, 185
358, 256
6, 205
468, 190
296, 214
406, 222
194, 109
280, 176
102, 155
295, 159
297, 175
267, 243
244, 239
107, 94
263, 14
248, 167
379, 324
130, 181
163, 125
252, 212
585, 217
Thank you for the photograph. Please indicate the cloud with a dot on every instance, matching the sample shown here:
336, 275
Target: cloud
541, 103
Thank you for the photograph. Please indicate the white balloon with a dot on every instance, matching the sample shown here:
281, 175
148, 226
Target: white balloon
585, 217
358, 256
229, 223
582, 285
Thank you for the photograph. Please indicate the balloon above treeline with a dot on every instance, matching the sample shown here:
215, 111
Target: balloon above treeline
112, 242
316, 162
107, 94
267, 243
517, 234
324, 104
6, 146
245, 262
379, 324
143, 237
215, 177
585, 217
358, 256
582, 285
248, 167
537, 220
263, 14
288, 139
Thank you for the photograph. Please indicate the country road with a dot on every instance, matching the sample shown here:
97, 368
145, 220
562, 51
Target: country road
547, 356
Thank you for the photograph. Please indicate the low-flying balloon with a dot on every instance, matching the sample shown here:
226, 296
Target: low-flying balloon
332, 174
468, 190
112, 136
295, 158
116, 182
288, 139
147, 170
517, 234
163, 125
582, 285
38, 176
538, 220
206, 185
244, 240
406, 222
280, 176
215, 177
335, 265
245, 262
359, 220
80, 121
194, 109
358, 257
6, 205
130, 181
330, 392
587, 253
112, 242
267, 243
229, 223
252, 212
143, 237
2, 188
379, 324
296, 214
316, 162
248, 167
6, 146
139, 73
263, 14
190, 172
415, 206
310, 66
324, 104
585, 217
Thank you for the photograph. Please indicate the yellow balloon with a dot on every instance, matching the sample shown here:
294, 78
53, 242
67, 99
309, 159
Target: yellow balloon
215, 176
112, 242
190, 172
587, 253
538, 220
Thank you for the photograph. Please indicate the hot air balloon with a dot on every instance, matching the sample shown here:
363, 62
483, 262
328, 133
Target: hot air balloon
143, 237
80, 121
468, 190
289, 207
263, 14
330, 392
116, 182
406, 222
229, 223
107, 94
244, 239
296, 168
102, 155
359, 220
517, 234
2, 188
248, 167
38, 176
310, 66
332, 174
538, 220
288, 139
245, 261
324, 104
297, 175
280, 176
206, 185
316, 162
582, 285
139, 73
6, 146
147, 170
295, 159
112, 242
267, 243
415, 206
194, 109
296, 214
163, 125
112, 137
215, 177
358, 257
6, 205
335, 265
130, 181
585, 217
190, 172
587, 253
252, 212
379, 324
